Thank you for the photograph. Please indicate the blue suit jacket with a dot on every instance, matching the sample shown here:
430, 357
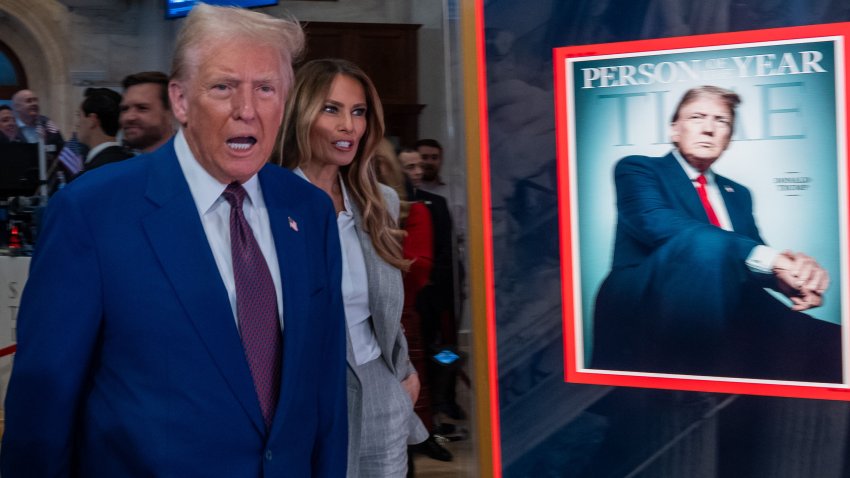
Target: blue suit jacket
129, 361
679, 297
656, 202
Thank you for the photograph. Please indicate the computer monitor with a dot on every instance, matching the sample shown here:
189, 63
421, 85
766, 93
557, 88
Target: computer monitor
180, 8
18, 169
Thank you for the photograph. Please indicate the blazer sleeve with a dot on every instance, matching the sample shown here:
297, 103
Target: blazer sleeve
58, 331
403, 366
330, 453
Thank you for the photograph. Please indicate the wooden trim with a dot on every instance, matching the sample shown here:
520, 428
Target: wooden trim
480, 242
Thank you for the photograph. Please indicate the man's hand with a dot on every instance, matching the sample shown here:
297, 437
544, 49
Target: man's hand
801, 279
411, 386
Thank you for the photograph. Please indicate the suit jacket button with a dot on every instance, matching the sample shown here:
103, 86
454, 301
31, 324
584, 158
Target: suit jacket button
269, 455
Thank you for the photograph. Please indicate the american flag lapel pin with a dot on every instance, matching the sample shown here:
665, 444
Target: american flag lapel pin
293, 225
728, 189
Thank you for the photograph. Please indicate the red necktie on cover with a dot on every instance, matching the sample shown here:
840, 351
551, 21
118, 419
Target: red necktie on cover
256, 305
703, 197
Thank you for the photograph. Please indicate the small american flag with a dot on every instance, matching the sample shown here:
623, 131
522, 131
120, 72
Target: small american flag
70, 155
293, 225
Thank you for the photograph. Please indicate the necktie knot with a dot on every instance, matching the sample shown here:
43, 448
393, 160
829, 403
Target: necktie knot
701, 180
235, 194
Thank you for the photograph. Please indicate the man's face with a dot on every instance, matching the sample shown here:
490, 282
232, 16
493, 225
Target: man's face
411, 161
702, 131
144, 119
26, 106
432, 159
84, 127
7, 124
231, 107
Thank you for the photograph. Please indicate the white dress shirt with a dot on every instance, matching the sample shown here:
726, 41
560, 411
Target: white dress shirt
355, 284
214, 211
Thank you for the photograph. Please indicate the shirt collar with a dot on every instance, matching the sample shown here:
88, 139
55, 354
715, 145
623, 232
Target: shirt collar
345, 199
97, 149
206, 190
692, 172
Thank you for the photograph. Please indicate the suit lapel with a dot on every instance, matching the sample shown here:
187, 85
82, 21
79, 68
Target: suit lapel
682, 188
291, 254
732, 202
178, 239
379, 275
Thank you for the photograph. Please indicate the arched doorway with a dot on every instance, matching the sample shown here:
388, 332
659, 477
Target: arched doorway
12, 74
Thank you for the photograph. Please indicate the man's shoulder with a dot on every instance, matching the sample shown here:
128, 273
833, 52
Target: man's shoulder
117, 178
641, 162
282, 176
642, 159
112, 153
292, 189
428, 196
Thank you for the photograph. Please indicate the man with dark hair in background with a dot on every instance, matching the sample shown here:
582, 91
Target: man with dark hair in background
432, 160
146, 119
97, 125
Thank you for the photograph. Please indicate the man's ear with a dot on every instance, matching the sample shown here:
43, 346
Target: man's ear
95, 122
179, 101
674, 132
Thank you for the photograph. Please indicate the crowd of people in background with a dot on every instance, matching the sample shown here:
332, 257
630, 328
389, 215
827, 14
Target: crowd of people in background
398, 254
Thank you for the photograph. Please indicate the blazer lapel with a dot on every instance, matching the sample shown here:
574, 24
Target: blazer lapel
379, 274
177, 237
291, 250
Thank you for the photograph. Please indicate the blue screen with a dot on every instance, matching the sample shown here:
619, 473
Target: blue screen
180, 8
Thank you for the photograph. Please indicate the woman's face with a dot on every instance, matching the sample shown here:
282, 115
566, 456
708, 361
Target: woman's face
339, 127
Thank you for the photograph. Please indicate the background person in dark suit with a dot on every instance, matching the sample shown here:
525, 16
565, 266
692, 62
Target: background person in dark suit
685, 293
97, 125
145, 347
146, 119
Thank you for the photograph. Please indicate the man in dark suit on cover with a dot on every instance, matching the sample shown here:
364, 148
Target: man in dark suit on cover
686, 291
191, 324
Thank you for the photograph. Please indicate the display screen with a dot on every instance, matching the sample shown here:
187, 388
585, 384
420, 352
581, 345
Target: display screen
180, 8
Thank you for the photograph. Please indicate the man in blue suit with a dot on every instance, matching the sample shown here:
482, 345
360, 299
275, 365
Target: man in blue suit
139, 354
686, 291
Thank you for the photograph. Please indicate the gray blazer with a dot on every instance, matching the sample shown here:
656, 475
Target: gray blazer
386, 298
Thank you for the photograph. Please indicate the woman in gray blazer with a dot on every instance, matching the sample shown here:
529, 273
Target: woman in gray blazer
332, 126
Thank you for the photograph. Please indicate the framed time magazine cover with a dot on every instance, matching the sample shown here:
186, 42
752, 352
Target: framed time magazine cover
703, 212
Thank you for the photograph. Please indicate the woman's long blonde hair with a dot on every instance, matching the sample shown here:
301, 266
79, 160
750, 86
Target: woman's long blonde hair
312, 84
